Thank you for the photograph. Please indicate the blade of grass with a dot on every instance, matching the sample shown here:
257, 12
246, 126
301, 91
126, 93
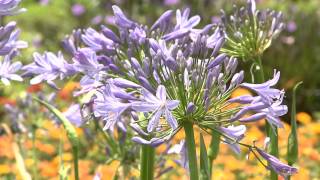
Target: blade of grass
71, 133
292, 148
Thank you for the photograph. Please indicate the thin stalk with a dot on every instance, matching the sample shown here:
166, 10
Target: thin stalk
213, 149
75, 162
191, 150
147, 162
34, 153
271, 133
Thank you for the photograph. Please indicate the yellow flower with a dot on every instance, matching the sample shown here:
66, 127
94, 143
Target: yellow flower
304, 117
4, 169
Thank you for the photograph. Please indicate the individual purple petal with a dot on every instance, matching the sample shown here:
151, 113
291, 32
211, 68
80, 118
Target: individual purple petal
253, 118
162, 19
161, 93
170, 119
176, 34
245, 99
154, 121
172, 104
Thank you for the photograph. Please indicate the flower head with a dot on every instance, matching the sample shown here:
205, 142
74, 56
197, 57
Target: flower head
249, 32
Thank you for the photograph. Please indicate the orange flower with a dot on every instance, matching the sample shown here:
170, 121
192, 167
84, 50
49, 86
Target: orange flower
304, 117
34, 88
66, 92
5, 169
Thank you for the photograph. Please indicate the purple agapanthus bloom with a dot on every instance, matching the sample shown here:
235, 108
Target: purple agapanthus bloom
159, 106
181, 150
12, 43
97, 41
110, 108
10, 7
275, 164
184, 25
269, 95
234, 134
8, 70
48, 67
73, 114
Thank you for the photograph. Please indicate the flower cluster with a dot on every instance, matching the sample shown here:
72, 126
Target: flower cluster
250, 31
9, 43
154, 80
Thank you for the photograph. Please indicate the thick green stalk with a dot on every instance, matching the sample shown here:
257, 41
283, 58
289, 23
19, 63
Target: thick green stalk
213, 149
271, 133
147, 162
191, 150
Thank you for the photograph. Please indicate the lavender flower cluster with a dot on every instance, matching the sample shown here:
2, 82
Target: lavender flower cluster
153, 80
9, 42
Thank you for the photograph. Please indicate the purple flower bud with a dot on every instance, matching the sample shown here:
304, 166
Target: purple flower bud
236, 79
115, 69
145, 83
218, 60
123, 95
123, 83
120, 19
109, 34
191, 108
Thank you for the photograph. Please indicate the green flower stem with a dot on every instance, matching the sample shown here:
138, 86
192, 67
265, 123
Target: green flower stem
147, 162
213, 149
271, 133
191, 150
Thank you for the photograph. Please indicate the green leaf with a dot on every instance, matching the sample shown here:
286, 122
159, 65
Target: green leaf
214, 146
71, 133
204, 164
292, 151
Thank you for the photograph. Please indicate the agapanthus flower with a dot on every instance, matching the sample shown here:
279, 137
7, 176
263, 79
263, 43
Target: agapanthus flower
10, 7
73, 114
8, 70
267, 105
159, 106
249, 32
275, 164
9, 39
48, 67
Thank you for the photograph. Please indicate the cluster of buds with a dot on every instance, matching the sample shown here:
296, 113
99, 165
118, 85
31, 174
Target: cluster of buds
249, 32
153, 80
